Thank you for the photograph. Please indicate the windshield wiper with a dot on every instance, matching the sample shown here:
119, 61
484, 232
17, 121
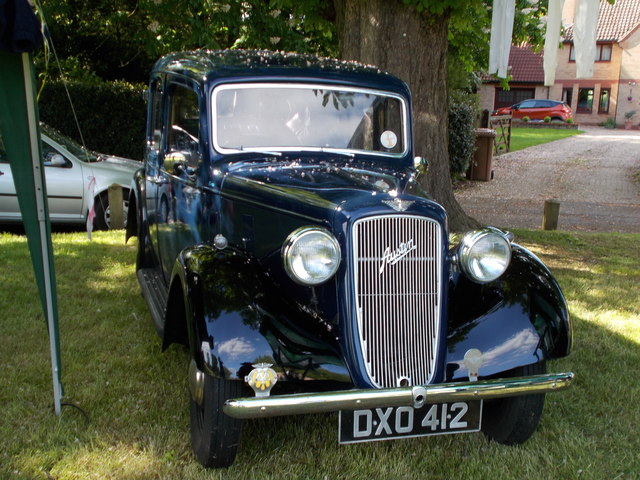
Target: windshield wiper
338, 152
263, 152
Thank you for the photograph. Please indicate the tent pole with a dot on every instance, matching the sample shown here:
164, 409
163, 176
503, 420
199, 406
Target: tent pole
44, 238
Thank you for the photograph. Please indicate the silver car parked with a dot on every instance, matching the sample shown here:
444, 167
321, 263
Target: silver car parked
69, 170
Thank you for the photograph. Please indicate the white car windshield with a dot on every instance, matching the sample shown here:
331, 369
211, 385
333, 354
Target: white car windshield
70, 145
307, 117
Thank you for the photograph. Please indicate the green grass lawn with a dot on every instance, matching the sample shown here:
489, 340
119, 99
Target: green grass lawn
129, 416
523, 137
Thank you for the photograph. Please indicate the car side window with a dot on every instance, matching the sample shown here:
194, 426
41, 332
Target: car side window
154, 135
184, 126
51, 157
528, 104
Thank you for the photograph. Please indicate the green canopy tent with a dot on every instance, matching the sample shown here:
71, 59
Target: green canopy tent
19, 131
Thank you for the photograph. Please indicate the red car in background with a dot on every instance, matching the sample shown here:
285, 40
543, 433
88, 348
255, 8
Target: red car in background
537, 110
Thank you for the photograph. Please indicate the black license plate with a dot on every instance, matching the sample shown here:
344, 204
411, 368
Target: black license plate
404, 422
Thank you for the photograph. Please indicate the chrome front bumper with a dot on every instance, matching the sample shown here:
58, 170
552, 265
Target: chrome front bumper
417, 396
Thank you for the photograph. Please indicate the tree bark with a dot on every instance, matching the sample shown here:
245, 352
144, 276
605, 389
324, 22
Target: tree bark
412, 46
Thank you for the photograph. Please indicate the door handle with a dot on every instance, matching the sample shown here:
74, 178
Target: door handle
157, 179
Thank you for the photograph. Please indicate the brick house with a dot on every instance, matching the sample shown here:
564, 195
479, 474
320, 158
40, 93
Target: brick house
615, 86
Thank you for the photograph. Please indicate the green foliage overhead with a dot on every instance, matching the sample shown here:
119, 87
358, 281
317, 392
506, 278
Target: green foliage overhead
121, 39
274, 24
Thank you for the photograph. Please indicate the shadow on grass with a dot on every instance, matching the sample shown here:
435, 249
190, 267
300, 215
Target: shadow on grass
137, 402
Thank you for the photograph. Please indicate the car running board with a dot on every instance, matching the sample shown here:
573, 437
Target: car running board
155, 292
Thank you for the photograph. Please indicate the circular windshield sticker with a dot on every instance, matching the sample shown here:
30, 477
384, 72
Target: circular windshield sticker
388, 139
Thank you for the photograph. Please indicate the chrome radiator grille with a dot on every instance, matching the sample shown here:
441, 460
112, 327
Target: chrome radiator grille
397, 278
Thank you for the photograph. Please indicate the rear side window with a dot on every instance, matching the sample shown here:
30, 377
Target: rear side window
528, 104
544, 104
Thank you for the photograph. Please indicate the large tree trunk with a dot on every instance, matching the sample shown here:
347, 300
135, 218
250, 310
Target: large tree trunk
412, 46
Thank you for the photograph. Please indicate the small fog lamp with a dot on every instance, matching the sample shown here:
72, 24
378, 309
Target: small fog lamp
473, 361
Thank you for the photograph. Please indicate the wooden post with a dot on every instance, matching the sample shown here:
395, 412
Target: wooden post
550, 216
116, 210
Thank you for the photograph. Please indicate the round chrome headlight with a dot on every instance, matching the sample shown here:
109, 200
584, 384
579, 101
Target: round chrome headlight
311, 255
484, 255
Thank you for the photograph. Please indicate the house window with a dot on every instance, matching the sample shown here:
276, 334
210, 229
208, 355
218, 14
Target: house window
567, 95
603, 53
585, 100
605, 95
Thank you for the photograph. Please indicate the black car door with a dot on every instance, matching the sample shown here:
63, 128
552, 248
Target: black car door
177, 193
153, 157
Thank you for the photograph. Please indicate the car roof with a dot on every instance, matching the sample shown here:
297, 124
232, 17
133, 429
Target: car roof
539, 99
205, 65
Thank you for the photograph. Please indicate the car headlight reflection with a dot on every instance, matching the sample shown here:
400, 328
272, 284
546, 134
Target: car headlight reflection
484, 255
311, 255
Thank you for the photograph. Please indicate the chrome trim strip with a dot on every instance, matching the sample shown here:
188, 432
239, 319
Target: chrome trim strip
417, 396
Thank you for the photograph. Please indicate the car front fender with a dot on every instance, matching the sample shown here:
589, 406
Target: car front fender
221, 324
235, 318
518, 320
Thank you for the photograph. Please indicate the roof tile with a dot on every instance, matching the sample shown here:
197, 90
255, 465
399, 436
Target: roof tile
525, 66
615, 21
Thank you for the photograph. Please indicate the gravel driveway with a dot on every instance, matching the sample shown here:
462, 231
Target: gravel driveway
591, 175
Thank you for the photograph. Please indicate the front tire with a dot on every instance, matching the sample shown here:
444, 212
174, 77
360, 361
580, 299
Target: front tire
512, 420
214, 435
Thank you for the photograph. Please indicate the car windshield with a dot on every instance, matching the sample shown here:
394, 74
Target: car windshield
308, 117
70, 145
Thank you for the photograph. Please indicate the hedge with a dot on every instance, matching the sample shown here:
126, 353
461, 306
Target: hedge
112, 116
462, 144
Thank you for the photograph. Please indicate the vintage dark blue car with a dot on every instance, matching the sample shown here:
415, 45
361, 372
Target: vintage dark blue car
278, 240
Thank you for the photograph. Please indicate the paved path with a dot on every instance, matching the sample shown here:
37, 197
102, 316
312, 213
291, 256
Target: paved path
591, 175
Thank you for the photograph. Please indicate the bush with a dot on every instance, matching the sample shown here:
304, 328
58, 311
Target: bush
547, 119
610, 122
462, 139
525, 119
570, 121
112, 116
